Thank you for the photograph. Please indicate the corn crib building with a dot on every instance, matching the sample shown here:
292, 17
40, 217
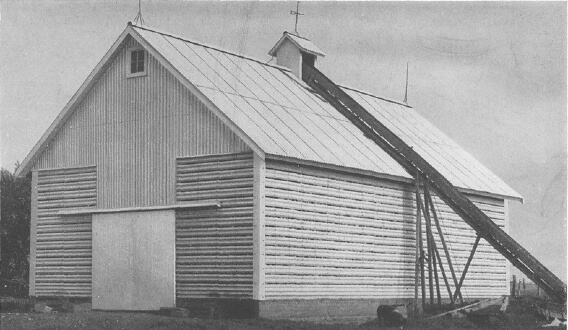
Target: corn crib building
182, 174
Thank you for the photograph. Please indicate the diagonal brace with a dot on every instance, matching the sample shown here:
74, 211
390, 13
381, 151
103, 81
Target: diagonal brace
428, 197
467, 266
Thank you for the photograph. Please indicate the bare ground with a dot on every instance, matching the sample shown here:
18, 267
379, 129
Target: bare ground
520, 315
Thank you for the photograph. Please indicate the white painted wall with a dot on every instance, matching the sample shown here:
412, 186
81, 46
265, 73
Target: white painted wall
289, 56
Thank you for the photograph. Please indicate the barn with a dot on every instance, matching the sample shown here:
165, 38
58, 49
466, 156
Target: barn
181, 174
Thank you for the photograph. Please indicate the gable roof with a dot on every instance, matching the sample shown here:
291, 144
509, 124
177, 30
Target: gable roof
304, 44
275, 113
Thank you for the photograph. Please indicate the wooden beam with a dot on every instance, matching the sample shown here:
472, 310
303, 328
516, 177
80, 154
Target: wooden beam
420, 207
442, 240
434, 248
429, 246
185, 205
33, 233
438, 294
258, 235
417, 304
467, 266
443, 273
472, 307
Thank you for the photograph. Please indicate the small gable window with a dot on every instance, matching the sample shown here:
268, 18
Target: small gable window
137, 63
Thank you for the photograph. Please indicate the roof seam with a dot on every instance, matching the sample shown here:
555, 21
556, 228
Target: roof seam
287, 109
455, 163
314, 150
480, 177
275, 104
189, 61
320, 116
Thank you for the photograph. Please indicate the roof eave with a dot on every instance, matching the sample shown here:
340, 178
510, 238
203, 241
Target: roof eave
385, 176
99, 69
285, 36
516, 197
272, 51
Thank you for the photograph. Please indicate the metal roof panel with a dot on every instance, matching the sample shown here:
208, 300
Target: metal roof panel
453, 162
285, 118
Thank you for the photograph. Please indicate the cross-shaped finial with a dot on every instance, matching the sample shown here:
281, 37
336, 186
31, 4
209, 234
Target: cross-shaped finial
297, 13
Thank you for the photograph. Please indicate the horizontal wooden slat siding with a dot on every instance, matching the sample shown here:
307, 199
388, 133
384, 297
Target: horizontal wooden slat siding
63, 244
487, 275
340, 235
214, 247
133, 129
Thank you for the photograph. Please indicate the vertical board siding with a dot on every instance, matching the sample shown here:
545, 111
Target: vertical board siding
63, 243
338, 235
132, 129
214, 248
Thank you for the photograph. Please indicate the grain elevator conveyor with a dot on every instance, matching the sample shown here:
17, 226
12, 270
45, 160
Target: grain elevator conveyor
419, 168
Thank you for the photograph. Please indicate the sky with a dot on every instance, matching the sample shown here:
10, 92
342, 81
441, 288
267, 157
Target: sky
491, 75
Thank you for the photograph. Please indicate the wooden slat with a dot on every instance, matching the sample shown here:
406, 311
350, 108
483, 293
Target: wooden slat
325, 223
214, 248
62, 245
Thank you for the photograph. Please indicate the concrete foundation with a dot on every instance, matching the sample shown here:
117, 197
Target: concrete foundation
216, 308
324, 310
319, 310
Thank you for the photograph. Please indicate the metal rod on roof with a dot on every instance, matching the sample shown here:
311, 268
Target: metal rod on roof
139, 17
406, 88
297, 13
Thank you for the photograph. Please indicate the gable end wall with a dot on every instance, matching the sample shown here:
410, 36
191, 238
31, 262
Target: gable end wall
133, 129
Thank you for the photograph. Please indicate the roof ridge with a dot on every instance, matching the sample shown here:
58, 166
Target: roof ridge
297, 35
373, 95
202, 44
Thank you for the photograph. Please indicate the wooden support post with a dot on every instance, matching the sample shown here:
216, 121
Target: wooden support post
443, 273
417, 303
420, 207
467, 266
438, 294
435, 251
513, 291
422, 274
443, 241
429, 245
258, 229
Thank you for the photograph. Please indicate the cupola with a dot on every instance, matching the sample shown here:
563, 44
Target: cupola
291, 51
